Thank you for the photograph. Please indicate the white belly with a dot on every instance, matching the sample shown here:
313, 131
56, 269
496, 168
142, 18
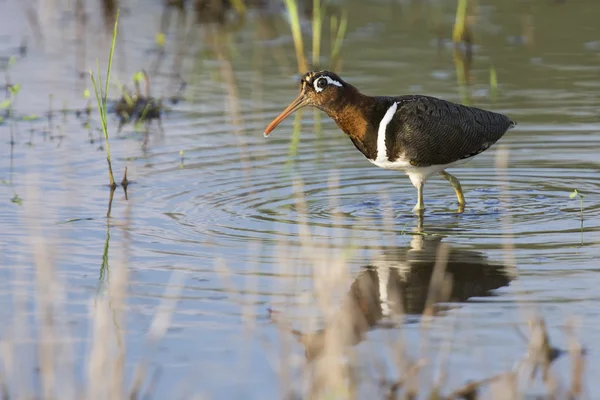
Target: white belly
399, 164
417, 175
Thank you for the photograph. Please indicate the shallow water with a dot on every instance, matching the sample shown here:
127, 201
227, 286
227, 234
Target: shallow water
232, 216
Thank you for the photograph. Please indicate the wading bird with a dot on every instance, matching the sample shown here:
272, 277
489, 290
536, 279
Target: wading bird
420, 135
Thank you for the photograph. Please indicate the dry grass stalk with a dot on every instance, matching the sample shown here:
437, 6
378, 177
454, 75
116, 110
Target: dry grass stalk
105, 361
576, 351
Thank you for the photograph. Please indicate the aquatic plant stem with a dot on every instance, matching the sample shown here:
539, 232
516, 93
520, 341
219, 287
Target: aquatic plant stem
574, 194
338, 31
104, 130
460, 23
316, 31
102, 99
292, 8
110, 58
462, 75
104, 268
493, 84
317, 25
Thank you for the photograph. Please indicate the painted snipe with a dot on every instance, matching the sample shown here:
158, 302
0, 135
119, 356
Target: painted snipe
420, 135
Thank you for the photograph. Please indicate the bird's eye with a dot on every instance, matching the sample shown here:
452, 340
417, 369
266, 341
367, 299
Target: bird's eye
321, 82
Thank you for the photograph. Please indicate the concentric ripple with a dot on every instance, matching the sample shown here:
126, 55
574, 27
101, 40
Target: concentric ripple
259, 192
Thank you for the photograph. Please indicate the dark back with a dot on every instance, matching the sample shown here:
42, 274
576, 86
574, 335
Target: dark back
429, 131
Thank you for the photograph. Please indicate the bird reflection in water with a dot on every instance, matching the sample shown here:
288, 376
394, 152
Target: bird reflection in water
408, 281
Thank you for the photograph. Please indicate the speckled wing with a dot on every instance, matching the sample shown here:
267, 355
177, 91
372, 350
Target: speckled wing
431, 131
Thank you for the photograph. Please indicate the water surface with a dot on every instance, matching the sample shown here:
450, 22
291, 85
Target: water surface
234, 215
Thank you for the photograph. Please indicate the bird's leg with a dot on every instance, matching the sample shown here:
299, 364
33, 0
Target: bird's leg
420, 206
457, 188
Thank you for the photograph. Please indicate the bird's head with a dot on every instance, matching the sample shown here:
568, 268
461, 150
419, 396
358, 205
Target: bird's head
322, 89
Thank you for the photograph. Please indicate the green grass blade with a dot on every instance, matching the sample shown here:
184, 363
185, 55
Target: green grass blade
316, 30
339, 39
460, 22
110, 57
461, 76
292, 8
493, 84
99, 103
102, 99
99, 78
104, 129
333, 27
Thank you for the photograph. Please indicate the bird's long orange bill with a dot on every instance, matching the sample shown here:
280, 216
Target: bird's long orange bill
297, 104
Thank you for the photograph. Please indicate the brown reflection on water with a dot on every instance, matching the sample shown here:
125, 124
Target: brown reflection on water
410, 281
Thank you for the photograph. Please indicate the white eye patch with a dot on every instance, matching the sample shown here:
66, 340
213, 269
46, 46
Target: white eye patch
329, 80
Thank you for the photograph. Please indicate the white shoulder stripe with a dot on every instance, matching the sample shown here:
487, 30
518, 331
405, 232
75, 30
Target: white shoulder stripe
381, 149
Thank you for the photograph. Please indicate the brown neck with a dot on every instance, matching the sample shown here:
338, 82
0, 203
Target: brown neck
353, 114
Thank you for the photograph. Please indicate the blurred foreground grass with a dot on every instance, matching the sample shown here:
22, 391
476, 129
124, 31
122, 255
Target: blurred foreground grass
332, 366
